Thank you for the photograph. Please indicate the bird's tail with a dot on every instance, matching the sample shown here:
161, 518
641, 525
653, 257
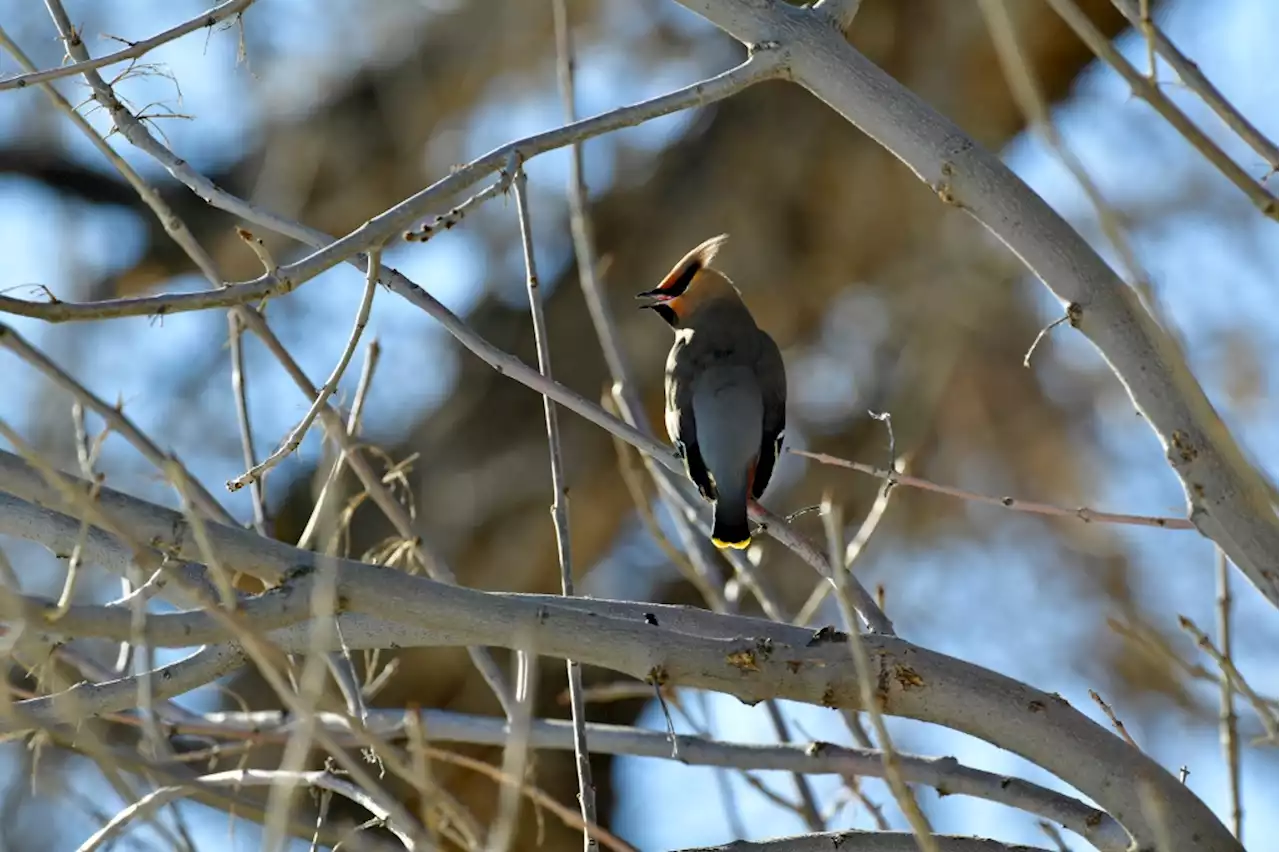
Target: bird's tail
730, 528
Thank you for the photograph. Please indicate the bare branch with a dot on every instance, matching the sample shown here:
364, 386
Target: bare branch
1083, 513
1146, 89
943, 773
864, 841
1229, 671
1228, 500
238, 778
431, 559
299, 432
559, 487
378, 230
235, 343
515, 753
749, 658
309, 532
1227, 726
867, 688
1198, 83
135, 49
841, 12
1115, 720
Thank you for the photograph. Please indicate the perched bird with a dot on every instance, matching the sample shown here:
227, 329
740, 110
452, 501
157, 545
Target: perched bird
726, 389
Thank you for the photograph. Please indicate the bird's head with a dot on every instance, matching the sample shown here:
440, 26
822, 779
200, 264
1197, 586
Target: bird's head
691, 284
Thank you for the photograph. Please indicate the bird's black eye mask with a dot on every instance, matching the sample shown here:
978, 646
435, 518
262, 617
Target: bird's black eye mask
672, 288
667, 312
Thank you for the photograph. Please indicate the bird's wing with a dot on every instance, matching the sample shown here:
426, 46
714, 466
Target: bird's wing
681, 426
772, 375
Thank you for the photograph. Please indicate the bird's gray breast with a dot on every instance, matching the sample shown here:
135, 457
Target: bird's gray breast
728, 411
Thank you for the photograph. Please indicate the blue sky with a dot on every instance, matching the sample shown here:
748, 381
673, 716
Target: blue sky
1213, 265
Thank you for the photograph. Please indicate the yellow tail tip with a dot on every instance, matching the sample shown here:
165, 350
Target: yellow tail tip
736, 545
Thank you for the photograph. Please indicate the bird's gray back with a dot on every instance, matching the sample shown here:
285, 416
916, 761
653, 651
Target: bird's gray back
729, 410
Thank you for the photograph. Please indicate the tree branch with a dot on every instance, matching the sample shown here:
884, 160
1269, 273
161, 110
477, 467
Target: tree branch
1146, 89
864, 841
841, 12
381, 228
943, 773
239, 778
559, 501
1227, 499
758, 661
135, 49
1195, 80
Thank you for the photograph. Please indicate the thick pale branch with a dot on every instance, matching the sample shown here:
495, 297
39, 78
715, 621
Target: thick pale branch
1227, 498
841, 12
760, 660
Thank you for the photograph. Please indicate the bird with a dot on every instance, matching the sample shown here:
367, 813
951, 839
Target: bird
726, 389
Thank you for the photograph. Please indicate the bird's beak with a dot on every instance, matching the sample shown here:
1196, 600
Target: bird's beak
654, 298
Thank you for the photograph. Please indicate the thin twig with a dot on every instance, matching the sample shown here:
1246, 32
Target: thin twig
299, 432
135, 49
1051, 831
559, 492
1147, 90
1115, 720
1227, 721
235, 341
310, 690
515, 754
250, 778
1030, 98
1231, 673
867, 689
382, 497
855, 547
309, 532
1083, 513
1194, 79
761, 65
1042, 334
457, 214
807, 809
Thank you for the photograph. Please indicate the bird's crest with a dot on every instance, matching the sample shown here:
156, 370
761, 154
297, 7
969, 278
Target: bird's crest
679, 278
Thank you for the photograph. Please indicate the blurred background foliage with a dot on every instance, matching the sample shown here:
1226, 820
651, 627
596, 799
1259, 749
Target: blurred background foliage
882, 298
